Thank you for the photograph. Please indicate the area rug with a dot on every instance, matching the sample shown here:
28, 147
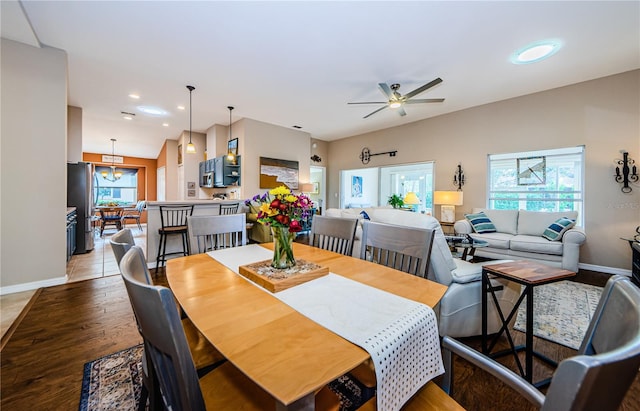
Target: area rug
562, 312
114, 382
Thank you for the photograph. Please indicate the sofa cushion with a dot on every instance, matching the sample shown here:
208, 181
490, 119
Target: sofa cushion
555, 231
535, 222
535, 244
505, 221
495, 240
480, 223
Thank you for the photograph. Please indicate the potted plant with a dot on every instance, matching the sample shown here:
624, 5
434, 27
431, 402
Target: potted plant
395, 201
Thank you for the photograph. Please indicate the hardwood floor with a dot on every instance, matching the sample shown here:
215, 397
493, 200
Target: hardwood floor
71, 324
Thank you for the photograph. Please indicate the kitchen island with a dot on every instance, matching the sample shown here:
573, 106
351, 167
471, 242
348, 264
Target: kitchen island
202, 207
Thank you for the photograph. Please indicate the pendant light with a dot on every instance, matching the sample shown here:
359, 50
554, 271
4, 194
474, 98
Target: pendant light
191, 148
114, 175
230, 155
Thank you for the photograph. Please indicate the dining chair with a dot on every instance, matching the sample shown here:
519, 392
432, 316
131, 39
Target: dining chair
121, 242
598, 377
333, 234
110, 216
224, 388
205, 356
133, 214
226, 209
213, 232
173, 221
404, 248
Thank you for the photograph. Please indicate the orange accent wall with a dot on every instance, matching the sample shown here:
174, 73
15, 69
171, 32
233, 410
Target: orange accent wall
147, 174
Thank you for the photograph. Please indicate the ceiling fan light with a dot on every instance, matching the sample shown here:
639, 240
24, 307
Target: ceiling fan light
395, 104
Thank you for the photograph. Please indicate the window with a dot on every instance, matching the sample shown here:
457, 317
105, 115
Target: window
367, 187
123, 191
545, 180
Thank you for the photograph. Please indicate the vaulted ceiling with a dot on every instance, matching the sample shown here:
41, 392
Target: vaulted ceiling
299, 63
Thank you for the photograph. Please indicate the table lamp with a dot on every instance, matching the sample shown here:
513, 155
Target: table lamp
306, 188
411, 199
447, 201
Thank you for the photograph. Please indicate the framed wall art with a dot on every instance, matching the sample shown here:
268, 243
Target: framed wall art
275, 172
532, 171
232, 147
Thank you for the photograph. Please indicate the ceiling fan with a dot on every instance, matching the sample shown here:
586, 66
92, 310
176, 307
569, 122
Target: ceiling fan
397, 100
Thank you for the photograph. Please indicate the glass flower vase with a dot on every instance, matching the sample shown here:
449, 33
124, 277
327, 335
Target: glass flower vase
282, 248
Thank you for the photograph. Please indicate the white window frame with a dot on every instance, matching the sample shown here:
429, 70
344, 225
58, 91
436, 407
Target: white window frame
552, 198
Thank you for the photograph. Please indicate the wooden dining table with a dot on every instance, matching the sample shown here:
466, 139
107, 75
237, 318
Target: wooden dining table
281, 350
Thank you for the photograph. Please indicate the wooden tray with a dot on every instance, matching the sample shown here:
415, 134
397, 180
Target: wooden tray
276, 280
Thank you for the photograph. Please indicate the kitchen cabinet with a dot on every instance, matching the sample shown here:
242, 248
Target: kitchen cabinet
227, 173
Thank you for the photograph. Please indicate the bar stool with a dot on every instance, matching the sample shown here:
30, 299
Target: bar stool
226, 209
174, 221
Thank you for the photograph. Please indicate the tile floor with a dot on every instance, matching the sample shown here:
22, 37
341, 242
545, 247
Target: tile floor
98, 263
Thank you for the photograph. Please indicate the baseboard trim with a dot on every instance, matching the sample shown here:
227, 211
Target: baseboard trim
604, 269
33, 285
7, 335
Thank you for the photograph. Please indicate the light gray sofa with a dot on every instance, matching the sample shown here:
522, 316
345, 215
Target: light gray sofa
460, 309
519, 236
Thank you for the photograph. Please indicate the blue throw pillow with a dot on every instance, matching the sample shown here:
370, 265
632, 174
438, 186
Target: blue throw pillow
555, 231
364, 215
480, 223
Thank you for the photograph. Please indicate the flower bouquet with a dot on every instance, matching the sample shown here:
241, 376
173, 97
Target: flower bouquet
283, 211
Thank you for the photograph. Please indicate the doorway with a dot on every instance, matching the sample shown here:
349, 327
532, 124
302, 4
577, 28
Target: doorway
317, 177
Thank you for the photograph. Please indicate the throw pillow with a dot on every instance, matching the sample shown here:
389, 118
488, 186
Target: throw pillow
480, 223
364, 215
555, 231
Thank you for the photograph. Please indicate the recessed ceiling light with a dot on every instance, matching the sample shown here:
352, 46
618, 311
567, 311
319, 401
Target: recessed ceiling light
535, 52
180, 107
165, 124
153, 111
134, 96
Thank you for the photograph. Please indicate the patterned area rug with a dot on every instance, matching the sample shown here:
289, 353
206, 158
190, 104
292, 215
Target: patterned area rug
114, 382
562, 310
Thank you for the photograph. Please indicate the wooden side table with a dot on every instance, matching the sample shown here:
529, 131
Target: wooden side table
529, 274
447, 228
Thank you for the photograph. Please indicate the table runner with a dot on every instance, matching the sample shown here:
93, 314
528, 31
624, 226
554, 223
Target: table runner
400, 335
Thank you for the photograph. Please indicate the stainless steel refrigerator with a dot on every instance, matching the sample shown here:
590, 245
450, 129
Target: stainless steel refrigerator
80, 196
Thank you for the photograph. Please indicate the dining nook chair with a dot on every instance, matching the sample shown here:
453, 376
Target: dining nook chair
333, 233
133, 214
120, 243
213, 232
404, 248
110, 216
180, 387
597, 377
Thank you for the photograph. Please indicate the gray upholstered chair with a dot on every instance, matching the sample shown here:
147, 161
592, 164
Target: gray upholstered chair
224, 388
212, 232
333, 234
403, 248
598, 377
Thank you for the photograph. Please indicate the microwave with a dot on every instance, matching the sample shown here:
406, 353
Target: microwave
207, 180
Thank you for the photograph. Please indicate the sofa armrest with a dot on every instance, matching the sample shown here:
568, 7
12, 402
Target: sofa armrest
574, 235
463, 227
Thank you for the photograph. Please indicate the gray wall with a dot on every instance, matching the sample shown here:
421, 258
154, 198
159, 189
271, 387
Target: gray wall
33, 166
602, 114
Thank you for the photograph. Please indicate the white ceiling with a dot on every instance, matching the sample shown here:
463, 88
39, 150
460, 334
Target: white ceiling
300, 62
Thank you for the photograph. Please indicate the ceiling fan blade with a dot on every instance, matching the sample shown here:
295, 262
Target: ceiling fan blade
424, 100
386, 90
423, 88
401, 111
369, 102
372, 113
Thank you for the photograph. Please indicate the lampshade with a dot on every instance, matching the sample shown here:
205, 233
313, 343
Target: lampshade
306, 187
411, 198
447, 197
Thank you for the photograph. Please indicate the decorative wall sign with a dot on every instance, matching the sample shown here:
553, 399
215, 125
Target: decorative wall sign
532, 171
275, 172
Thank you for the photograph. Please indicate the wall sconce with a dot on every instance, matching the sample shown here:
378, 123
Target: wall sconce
316, 158
458, 177
628, 174
448, 201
